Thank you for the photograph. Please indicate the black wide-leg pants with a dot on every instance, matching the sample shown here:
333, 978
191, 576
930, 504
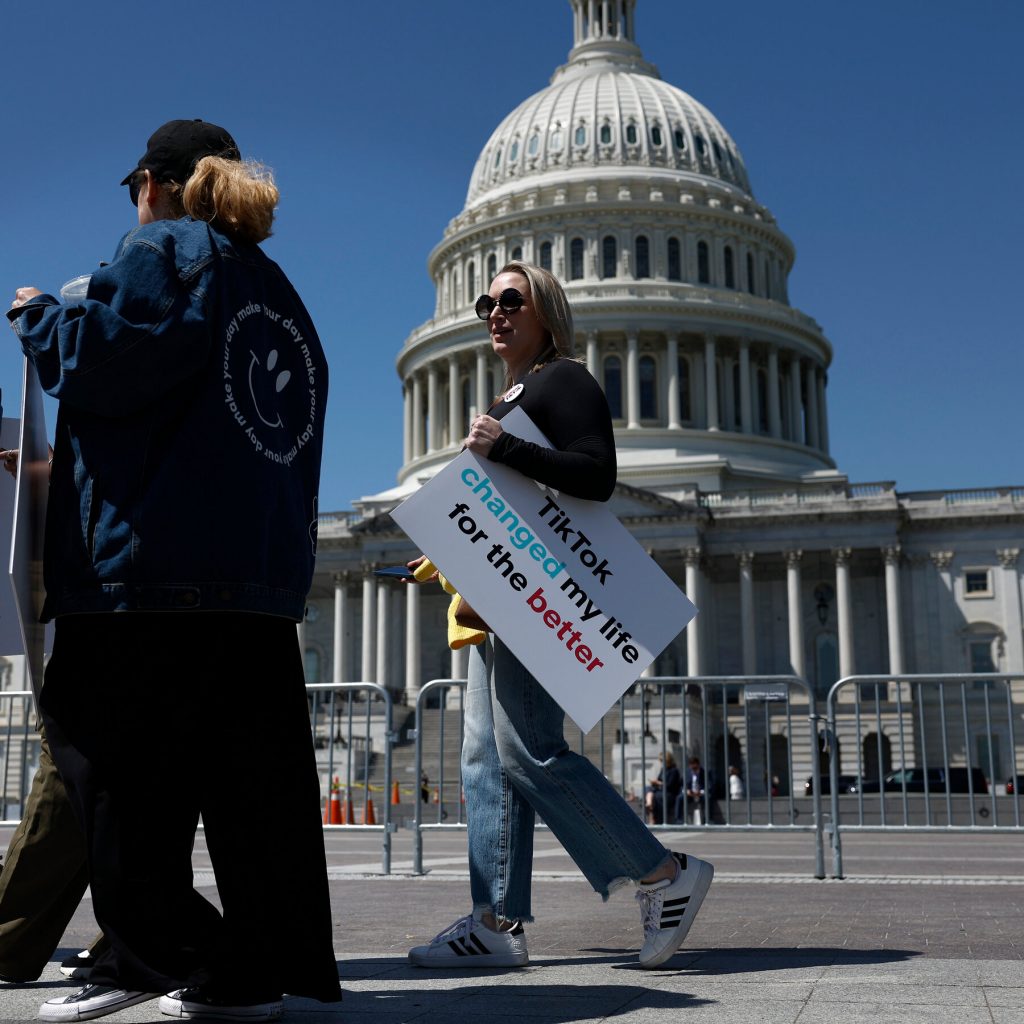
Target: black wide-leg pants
156, 720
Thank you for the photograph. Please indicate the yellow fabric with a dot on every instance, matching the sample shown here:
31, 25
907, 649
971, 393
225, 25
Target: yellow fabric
458, 636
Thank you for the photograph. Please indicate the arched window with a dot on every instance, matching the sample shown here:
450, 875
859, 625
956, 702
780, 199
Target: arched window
703, 263
762, 401
683, 380
730, 269
517, 254
556, 138
718, 152
609, 256
533, 145
545, 255
576, 259
643, 257
631, 134
656, 138
471, 282
648, 388
680, 138
675, 263
581, 135
492, 268
613, 385
497, 157
606, 134
750, 274
513, 152
699, 140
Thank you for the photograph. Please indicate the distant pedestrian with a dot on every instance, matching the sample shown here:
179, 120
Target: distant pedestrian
663, 790
182, 525
695, 788
736, 791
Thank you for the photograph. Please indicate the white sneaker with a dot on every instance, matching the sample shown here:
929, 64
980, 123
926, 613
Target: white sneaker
192, 1002
91, 1002
668, 908
467, 943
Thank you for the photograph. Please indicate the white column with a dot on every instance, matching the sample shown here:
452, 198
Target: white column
483, 398
796, 416
774, 413
694, 663
746, 406
381, 666
406, 423
366, 671
593, 355
432, 408
340, 615
844, 611
412, 643
417, 417
746, 560
632, 380
456, 429
941, 654
711, 382
892, 608
822, 414
812, 405
672, 355
795, 614
1013, 619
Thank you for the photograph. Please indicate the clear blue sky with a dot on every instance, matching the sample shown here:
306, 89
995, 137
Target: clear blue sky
885, 137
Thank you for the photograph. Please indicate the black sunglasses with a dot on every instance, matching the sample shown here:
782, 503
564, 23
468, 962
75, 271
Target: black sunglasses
510, 301
135, 186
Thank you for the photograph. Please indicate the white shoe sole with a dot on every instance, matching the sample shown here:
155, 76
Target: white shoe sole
59, 1011
173, 1007
700, 890
460, 963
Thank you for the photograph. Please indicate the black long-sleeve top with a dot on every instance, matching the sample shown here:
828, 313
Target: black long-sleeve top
569, 407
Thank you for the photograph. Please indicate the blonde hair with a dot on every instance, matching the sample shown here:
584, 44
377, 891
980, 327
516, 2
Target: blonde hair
236, 196
553, 312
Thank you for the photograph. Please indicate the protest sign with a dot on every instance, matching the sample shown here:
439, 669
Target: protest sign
562, 582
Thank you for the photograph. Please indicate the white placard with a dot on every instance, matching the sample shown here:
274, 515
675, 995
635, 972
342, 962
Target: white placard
26, 565
561, 580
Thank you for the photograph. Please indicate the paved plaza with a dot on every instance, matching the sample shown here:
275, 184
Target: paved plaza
923, 929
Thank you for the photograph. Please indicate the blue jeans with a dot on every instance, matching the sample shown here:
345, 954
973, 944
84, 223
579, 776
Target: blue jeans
516, 765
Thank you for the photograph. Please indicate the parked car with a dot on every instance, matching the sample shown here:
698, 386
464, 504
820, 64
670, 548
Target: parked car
847, 784
913, 780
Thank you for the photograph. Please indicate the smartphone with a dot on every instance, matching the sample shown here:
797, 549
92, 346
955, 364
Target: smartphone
399, 572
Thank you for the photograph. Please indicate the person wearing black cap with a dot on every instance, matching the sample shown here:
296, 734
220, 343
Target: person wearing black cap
179, 550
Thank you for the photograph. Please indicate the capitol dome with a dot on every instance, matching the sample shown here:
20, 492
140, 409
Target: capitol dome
634, 195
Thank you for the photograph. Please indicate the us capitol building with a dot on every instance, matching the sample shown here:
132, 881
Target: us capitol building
639, 200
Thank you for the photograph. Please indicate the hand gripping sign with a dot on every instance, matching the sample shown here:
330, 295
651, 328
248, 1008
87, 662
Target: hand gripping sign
562, 581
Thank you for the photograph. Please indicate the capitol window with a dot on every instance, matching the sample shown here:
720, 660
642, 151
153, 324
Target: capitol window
613, 385
630, 134
699, 140
977, 583
675, 263
609, 256
703, 264
680, 136
556, 137
492, 267
513, 152
656, 138
730, 270
648, 388
643, 257
471, 282
718, 152
517, 254
581, 135
576, 259
545, 256
606, 134
497, 157
533, 145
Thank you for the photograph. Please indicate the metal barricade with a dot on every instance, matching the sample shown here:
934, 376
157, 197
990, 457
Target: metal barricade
19, 752
928, 753
347, 757
716, 717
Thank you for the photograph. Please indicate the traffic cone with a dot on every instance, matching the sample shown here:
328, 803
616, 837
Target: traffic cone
395, 795
369, 818
333, 813
348, 816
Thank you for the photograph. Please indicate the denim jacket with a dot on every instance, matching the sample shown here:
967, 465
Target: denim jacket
192, 388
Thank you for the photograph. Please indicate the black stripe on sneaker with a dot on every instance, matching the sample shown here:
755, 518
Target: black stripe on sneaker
475, 939
457, 948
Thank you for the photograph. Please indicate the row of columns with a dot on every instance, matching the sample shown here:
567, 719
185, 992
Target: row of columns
806, 420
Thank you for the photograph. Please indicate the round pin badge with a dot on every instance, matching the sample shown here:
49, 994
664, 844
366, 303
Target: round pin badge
513, 393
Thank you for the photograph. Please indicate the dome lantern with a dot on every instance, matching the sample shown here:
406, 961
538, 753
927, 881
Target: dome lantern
604, 33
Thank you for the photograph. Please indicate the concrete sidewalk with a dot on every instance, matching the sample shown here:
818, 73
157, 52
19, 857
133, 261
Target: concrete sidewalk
778, 950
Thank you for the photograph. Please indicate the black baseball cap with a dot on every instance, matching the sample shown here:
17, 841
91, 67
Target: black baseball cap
175, 148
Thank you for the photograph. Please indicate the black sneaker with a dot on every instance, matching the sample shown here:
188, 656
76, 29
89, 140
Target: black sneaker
79, 966
91, 1002
193, 1002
